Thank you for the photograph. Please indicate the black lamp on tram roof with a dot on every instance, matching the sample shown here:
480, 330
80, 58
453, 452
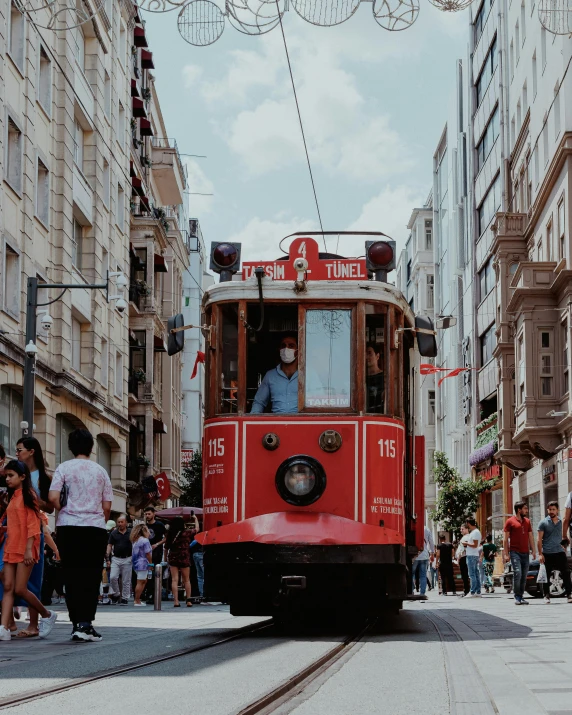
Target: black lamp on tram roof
225, 259
380, 258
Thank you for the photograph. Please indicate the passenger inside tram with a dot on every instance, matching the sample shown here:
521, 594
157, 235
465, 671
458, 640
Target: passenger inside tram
279, 387
374, 379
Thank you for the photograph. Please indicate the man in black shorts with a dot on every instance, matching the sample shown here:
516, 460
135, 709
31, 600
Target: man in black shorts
157, 537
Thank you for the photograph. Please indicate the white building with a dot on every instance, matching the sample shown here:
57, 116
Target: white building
453, 255
195, 281
416, 280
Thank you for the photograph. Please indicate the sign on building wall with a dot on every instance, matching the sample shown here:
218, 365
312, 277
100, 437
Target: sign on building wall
186, 457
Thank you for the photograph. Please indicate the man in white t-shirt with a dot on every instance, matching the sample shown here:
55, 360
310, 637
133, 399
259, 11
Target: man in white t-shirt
473, 541
567, 517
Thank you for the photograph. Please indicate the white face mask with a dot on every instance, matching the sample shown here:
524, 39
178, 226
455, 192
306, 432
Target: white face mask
287, 355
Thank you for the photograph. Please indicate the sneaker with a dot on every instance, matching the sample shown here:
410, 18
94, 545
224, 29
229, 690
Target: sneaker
139, 605
517, 601
115, 600
5, 634
524, 602
547, 600
86, 633
46, 624
123, 602
470, 595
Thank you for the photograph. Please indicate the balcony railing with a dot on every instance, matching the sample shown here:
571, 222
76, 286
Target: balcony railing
165, 143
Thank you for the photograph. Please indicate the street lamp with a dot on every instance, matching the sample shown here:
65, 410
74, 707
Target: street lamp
31, 348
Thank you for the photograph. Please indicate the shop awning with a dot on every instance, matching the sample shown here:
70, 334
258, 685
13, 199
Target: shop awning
144, 203
160, 264
147, 60
139, 39
137, 186
134, 88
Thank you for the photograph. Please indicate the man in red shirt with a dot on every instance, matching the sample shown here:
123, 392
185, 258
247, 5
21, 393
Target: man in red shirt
517, 545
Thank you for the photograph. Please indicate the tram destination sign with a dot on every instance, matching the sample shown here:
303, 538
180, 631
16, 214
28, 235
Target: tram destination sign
319, 269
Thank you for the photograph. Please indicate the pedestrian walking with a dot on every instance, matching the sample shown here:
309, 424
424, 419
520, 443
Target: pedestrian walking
196, 550
461, 556
421, 563
473, 541
489, 553
22, 549
83, 490
119, 552
179, 559
29, 451
445, 566
157, 534
551, 551
141, 559
518, 542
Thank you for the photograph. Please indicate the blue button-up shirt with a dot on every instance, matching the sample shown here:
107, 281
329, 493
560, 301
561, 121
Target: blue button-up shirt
278, 389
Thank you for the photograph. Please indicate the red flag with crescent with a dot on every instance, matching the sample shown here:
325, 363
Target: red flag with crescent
200, 358
163, 486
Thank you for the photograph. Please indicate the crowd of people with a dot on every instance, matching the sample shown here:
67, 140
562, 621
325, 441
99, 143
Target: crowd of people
475, 556
89, 559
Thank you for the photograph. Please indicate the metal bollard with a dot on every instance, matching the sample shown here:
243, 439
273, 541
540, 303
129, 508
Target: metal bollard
158, 590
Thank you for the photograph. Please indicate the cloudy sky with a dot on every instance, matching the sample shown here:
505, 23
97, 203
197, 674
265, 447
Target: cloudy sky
374, 104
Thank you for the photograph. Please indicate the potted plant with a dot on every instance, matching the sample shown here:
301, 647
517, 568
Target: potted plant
143, 461
139, 375
145, 161
146, 94
142, 287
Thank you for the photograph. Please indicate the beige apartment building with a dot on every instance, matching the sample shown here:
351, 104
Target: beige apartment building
532, 257
70, 211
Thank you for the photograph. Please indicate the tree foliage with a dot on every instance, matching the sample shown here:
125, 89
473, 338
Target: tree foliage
457, 498
192, 482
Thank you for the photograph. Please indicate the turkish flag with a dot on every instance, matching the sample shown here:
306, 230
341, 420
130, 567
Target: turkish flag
163, 486
200, 358
426, 369
453, 373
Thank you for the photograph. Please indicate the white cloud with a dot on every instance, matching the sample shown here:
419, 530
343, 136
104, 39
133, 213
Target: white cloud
389, 212
191, 74
199, 183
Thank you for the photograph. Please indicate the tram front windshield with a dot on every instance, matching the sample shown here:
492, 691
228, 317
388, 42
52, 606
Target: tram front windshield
323, 377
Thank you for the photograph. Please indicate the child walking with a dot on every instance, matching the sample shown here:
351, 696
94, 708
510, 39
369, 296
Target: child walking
22, 549
140, 558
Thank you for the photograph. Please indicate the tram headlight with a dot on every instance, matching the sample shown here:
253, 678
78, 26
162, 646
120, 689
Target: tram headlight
225, 259
300, 480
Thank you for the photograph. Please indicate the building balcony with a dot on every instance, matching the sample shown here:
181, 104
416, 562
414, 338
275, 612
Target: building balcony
168, 171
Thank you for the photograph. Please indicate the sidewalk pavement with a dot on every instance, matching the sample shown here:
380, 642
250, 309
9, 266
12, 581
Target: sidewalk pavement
522, 653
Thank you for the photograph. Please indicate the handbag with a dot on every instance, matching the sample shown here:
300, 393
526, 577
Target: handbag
64, 495
542, 575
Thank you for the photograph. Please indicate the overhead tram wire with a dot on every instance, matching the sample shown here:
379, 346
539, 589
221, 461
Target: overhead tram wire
301, 123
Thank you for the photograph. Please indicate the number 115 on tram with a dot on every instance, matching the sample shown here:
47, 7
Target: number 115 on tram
313, 481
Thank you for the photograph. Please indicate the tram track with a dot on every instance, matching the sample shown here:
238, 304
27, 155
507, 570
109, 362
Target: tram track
282, 695
32, 695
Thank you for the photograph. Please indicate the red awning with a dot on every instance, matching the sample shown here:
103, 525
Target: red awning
137, 186
145, 128
160, 264
134, 88
159, 344
144, 203
139, 108
147, 60
137, 16
139, 39
159, 427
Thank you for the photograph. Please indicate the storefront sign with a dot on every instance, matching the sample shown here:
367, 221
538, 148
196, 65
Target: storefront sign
186, 457
490, 472
549, 474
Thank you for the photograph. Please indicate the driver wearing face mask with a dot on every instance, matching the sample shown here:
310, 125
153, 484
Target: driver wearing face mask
279, 388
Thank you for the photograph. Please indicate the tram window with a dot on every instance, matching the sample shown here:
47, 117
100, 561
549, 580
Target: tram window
229, 360
328, 359
263, 347
375, 361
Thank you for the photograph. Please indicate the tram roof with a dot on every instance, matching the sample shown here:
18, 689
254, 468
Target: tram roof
326, 291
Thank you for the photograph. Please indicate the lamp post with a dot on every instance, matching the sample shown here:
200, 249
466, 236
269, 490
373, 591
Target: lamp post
31, 349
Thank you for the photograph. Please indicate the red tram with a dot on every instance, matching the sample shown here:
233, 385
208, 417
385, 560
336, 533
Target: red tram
313, 477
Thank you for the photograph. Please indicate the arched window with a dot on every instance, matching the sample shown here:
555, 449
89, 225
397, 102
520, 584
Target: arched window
11, 414
63, 428
104, 454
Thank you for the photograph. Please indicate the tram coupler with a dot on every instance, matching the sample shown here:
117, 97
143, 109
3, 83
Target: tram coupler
291, 582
